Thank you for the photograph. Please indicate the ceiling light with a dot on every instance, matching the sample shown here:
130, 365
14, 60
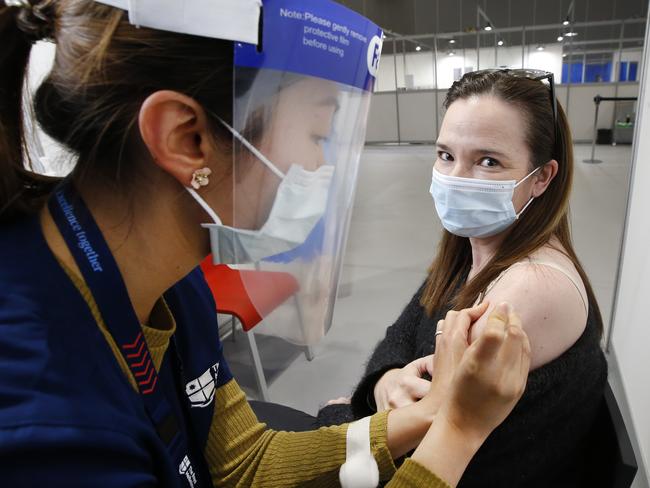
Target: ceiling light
564, 55
488, 27
451, 53
452, 41
418, 48
560, 38
500, 43
540, 47
571, 34
566, 21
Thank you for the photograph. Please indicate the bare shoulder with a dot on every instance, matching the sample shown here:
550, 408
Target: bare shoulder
549, 303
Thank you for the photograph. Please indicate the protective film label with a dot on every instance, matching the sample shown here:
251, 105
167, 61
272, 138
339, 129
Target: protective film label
317, 38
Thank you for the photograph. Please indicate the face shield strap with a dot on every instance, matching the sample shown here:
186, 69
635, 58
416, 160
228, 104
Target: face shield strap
274, 169
213, 215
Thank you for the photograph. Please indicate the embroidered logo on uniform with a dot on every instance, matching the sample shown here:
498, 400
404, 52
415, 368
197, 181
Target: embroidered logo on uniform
186, 468
201, 390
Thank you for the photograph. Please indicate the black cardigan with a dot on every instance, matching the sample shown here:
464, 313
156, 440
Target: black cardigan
541, 443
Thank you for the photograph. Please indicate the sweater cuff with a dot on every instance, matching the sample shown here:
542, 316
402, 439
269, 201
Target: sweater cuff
379, 445
413, 474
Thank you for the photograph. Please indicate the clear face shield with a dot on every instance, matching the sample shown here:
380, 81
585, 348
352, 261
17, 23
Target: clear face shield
303, 75
301, 100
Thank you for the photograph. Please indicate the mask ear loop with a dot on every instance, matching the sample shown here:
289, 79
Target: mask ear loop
528, 176
525, 207
531, 198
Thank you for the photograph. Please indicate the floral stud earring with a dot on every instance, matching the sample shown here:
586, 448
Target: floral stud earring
200, 178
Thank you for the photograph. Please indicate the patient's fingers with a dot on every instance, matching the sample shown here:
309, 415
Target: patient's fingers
339, 401
423, 365
417, 387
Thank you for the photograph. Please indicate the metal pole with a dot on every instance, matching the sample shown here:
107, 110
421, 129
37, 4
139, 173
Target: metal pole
478, 38
399, 141
593, 141
568, 87
435, 81
435, 63
618, 71
523, 46
404, 62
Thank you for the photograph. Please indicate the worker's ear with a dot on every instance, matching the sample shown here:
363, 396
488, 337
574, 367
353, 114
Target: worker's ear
175, 130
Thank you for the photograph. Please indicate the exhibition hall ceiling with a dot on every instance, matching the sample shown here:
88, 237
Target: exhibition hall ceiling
408, 17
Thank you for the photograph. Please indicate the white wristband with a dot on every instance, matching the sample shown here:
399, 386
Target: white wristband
360, 469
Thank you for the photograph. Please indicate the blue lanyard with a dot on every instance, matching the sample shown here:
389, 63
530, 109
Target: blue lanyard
101, 273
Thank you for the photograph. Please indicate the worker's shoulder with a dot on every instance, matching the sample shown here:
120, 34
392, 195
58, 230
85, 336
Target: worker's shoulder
58, 372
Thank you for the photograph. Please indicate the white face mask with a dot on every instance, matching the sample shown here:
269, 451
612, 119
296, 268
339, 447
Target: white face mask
300, 202
470, 207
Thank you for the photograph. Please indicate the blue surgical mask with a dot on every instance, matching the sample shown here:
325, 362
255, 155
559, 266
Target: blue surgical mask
469, 207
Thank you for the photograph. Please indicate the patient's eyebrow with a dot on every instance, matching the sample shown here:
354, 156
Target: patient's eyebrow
494, 152
491, 151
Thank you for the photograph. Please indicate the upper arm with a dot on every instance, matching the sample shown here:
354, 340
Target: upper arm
550, 306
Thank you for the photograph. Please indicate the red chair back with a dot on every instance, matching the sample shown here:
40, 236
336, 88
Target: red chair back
232, 290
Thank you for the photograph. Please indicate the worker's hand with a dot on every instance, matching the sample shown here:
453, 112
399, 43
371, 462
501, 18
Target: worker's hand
405, 386
490, 377
452, 340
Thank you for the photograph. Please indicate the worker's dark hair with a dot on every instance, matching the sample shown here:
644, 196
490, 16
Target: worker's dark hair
103, 71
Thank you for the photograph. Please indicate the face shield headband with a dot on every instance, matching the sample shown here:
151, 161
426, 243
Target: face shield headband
230, 20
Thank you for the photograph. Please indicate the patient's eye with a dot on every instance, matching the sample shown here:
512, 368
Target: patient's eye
489, 163
445, 156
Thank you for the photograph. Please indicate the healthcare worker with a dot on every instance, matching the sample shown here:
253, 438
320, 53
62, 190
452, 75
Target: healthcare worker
197, 127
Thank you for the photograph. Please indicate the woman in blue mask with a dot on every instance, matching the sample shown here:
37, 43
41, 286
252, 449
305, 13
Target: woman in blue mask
111, 368
501, 185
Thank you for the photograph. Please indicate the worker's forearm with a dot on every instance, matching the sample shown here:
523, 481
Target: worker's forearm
406, 428
446, 451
